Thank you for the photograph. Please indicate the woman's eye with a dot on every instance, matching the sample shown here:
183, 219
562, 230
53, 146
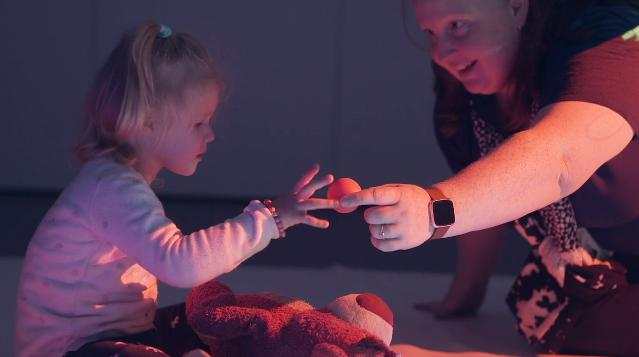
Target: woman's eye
430, 37
459, 27
429, 33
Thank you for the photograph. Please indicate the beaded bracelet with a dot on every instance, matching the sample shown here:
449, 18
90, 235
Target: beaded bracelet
276, 216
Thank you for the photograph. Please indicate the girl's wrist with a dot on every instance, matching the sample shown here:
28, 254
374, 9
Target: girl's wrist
276, 217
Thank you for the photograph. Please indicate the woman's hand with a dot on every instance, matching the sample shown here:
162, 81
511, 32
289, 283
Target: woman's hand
293, 207
477, 255
401, 218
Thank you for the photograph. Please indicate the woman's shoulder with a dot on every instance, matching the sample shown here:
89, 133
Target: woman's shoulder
597, 45
590, 22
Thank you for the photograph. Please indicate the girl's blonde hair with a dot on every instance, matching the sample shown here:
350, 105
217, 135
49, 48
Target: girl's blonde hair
149, 68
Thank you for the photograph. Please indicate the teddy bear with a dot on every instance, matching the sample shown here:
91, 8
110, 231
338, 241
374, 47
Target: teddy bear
268, 324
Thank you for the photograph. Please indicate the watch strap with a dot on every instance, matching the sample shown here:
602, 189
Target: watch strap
436, 195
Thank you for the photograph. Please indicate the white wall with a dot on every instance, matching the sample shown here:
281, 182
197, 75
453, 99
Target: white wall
332, 81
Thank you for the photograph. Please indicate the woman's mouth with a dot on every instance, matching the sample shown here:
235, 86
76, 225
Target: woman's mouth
464, 69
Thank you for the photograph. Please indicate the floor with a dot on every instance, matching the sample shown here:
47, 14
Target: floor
491, 333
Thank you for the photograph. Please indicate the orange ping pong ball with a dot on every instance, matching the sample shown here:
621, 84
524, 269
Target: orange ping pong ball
340, 188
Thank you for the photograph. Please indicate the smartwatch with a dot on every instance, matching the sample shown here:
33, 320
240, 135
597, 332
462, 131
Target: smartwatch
442, 212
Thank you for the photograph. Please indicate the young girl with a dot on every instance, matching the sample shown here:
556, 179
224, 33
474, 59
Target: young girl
89, 280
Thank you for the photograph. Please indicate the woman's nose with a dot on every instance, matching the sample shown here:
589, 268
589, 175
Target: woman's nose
210, 135
441, 51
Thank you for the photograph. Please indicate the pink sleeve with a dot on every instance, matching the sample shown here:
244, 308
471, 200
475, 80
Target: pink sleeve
126, 213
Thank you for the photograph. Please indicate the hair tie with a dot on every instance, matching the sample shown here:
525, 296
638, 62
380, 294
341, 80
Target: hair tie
165, 31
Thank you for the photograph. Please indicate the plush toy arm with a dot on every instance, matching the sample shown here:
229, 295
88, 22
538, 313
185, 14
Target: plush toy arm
212, 313
371, 346
368, 347
208, 296
230, 322
328, 350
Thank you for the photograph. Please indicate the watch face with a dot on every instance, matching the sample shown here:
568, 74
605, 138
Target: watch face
443, 213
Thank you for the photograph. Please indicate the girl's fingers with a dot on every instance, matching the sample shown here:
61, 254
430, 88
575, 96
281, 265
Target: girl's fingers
315, 222
306, 178
309, 189
317, 203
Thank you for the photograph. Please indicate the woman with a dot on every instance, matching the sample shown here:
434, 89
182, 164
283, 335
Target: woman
537, 115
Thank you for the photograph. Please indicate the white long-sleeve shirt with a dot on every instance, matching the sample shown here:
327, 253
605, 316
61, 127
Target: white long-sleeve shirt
90, 269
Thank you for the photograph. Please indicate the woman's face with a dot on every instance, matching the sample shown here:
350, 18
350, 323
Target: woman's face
474, 40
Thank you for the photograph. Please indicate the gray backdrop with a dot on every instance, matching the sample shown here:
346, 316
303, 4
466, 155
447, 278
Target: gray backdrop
332, 81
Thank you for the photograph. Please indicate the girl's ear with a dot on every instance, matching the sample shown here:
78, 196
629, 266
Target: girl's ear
519, 10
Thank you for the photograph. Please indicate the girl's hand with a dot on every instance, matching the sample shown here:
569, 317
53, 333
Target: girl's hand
400, 220
293, 207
